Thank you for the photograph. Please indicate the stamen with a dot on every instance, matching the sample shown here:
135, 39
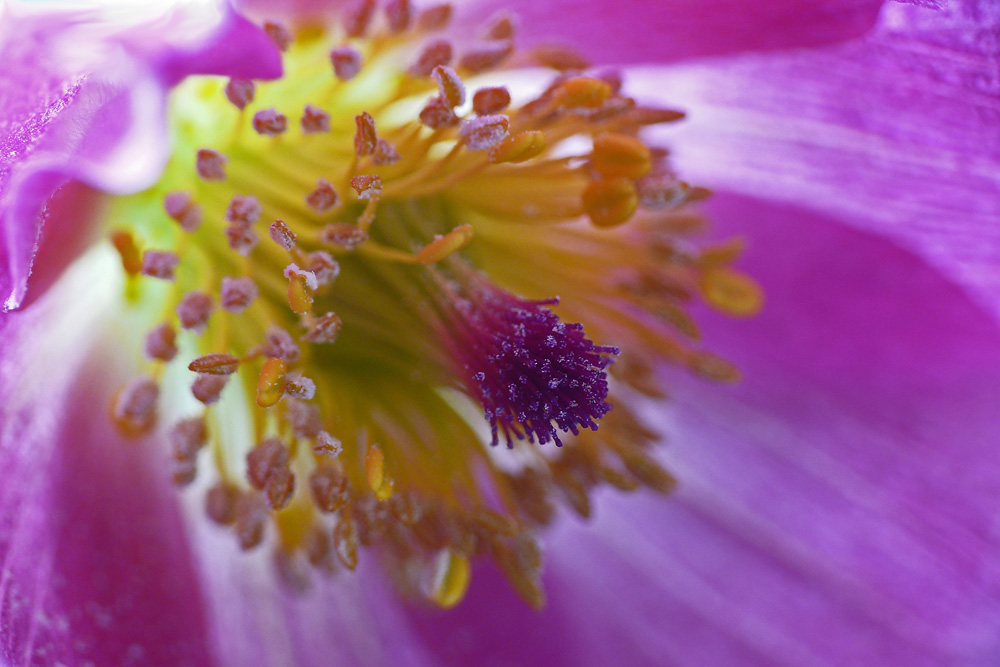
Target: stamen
240, 92
161, 343
503, 26
251, 519
450, 85
435, 17
245, 209
211, 165
323, 198
134, 409
279, 34
385, 153
561, 58
280, 345
301, 285
282, 235
300, 386
436, 53
519, 148
237, 293
269, 122
327, 445
342, 235
398, 14
445, 246
486, 55
315, 120
181, 207
484, 132
358, 17
324, 330
367, 186
208, 388
346, 62
268, 471
365, 136
242, 238
323, 266
621, 156
582, 91
329, 487
186, 438
488, 101
610, 202
159, 264
194, 310
220, 503
217, 363
271, 382
345, 542
132, 262
378, 479
732, 292
450, 580
438, 114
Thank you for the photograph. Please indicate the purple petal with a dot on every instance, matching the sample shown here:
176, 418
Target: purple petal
836, 507
635, 31
898, 132
93, 555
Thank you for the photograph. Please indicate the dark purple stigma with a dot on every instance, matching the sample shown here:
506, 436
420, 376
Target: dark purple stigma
531, 371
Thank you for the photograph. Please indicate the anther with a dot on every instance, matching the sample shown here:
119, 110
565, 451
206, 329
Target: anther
211, 165
315, 120
610, 202
582, 91
282, 235
159, 264
280, 344
244, 208
300, 386
251, 519
217, 363
323, 198
242, 238
445, 246
450, 85
240, 92
486, 55
301, 285
450, 576
519, 148
324, 330
134, 409
194, 310
398, 14
712, 367
327, 445
436, 53
187, 437
329, 487
220, 503
271, 382
342, 235
132, 262
161, 343
378, 479
731, 292
385, 153
488, 101
345, 542
367, 186
208, 388
323, 266
346, 62
279, 34
621, 156
181, 208
269, 123
357, 18
503, 26
318, 547
484, 132
435, 17
365, 137
437, 114
236, 294
268, 457
561, 58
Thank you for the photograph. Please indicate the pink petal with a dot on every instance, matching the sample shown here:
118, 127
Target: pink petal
836, 507
898, 133
634, 31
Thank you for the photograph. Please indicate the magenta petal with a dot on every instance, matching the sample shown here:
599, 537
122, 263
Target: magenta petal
635, 31
836, 507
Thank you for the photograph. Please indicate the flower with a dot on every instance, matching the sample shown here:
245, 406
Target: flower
836, 504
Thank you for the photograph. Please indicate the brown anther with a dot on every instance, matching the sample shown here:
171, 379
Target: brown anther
194, 310
345, 542
378, 479
211, 165
236, 294
323, 266
486, 55
329, 487
240, 92
502, 26
301, 285
300, 386
304, 418
445, 246
621, 156
220, 503
358, 17
242, 238
132, 261
342, 235
365, 137
610, 202
582, 91
181, 207
648, 471
251, 519
654, 116
217, 363
207, 388
614, 107
437, 114
279, 488
435, 53
483, 132
318, 547
244, 209
264, 460
559, 57
731, 292
134, 408
613, 78
366, 186
712, 367
450, 85
324, 330
269, 123
398, 14
187, 437
282, 235
159, 264
184, 472
279, 343
346, 62
327, 445
271, 382
323, 198
516, 561
385, 153
161, 342
315, 120
518, 148
488, 101
279, 34
435, 17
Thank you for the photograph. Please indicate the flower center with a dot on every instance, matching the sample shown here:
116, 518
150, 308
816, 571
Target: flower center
351, 258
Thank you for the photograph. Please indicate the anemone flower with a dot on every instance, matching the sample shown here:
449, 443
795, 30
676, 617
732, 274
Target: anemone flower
307, 272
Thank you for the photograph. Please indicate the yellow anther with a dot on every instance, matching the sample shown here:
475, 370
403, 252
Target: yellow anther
451, 578
444, 246
131, 258
732, 292
271, 382
518, 148
300, 299
378, 478
610, 202
582, 91
621, 156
